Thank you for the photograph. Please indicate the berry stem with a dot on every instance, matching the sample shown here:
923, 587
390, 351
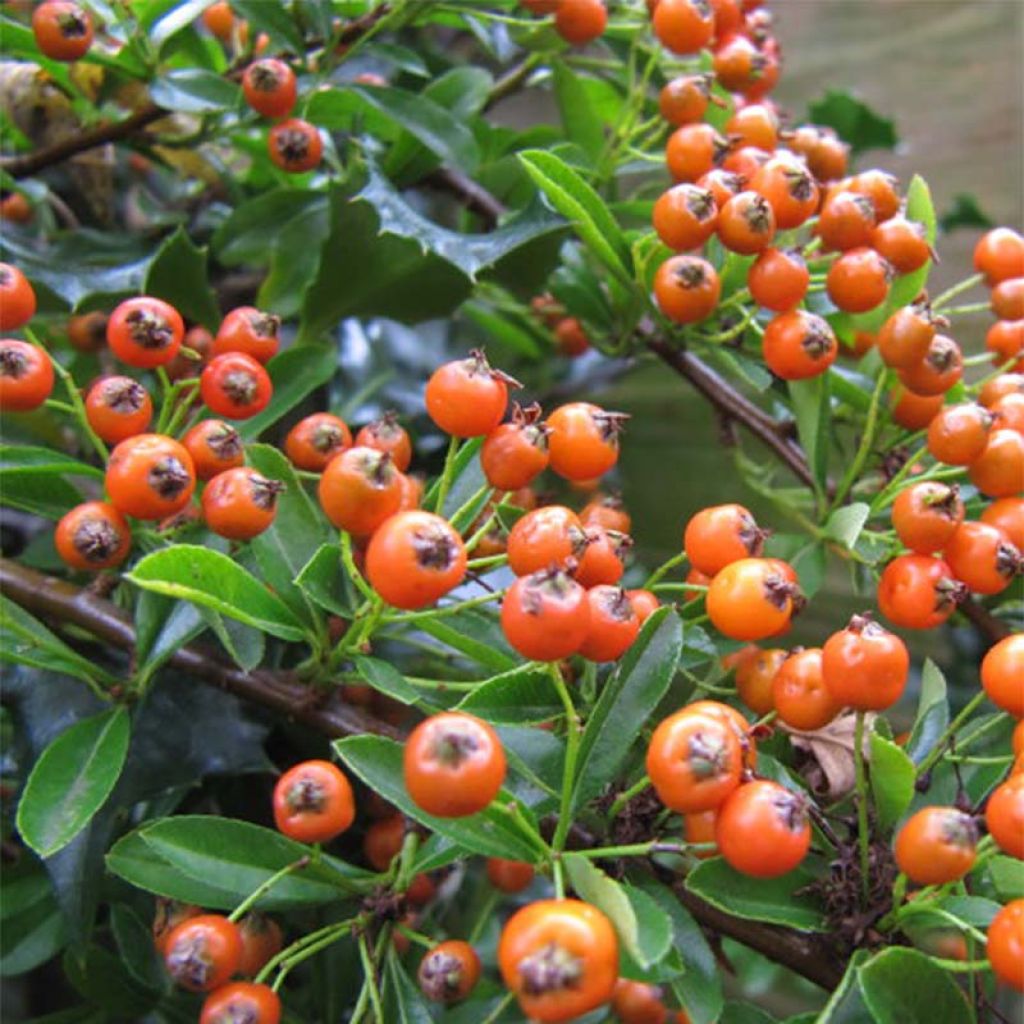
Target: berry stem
940, 744
971, 307
447, 474
951, 293
626, 795
370, 979
572, 735
866, 441
448, 609
665, 567
297, 951
77, 405
499, 1011
640, 849
888, 494
863, 838
469, 509
261, 890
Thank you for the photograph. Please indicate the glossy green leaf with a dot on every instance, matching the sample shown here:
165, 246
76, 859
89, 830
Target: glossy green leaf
932, 713
225, 860
572, 197
593, 886
900, 985
812, 410
25, 640
403, 1002
476, 635
294, 373
846, 523
178, 275
1007, 875
493, 832
18, 459
699, 989
580, 118
892, 780
626, 702
32, 929
180, 16
518, 697
385, 678
776, 900
135, 946
194, 91
39, 494
244, 645
298, 530
274, 19
162, 626
216, 581
72, 779
322, 578
854, 121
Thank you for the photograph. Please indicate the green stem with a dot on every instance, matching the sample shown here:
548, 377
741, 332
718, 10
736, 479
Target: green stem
571, 753
487, 562
448, 609
558, 876
730, 332
446, 475
463, 511
349, 563
679, 588
961, 966
370, 978
499, 1010
626, 795
957, 289
52, 403
484, 915
940, 746
185, 394
639, 849
261, 890
866, 442
971, 307
289, 952
863, 839
77, 405
891, 489
664, 568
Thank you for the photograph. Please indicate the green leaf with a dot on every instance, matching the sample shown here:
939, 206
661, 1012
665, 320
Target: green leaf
745, 1013
975, 910
274, 19
776, 900
964, 212
846, 523
593, 886
580, 118
932, 713
654, 927
626, 703
572, 197
474, 634
493, 832
1007, 875
226, 860
295, 373
403, 1003
435, 127
518, 697
900, 985
323, 579
811, 407
385, 678
892, 780
178, 275
854, 121
194, 91
244, 644
215, 581
24, 459
700, 987
920, 207
40, 494
506, 330
845, 1005
25, 640
179, 17
33, 930
295, 535
72, 779
135, 946
466, 465
162, 627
